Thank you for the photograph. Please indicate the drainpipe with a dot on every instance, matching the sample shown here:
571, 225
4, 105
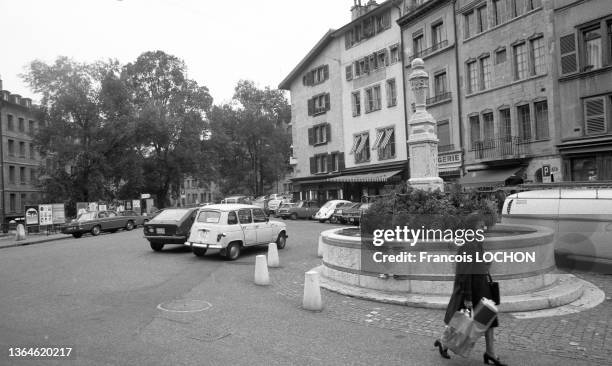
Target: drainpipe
401, 52
459, 112
3, 212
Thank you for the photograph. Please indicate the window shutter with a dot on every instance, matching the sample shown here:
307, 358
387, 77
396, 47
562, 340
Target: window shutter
388, 89
304, 80
386, 57
326, 72
311, 78
595, 120
347, 40
566, 169
330, 162
386, 20
310, 107
349, 72
327, 102
311, 137
313, 165
328, 132
341, 161
567, 45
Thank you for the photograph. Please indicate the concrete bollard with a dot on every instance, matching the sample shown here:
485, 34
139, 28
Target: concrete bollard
320, 247
312, 292
261, 271
273, 260
20, 235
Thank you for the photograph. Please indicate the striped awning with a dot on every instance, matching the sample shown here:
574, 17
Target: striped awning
387, 138
362, 143
366, 177
379, 135
355, 143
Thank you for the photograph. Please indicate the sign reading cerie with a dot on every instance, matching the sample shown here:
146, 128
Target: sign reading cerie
449, 158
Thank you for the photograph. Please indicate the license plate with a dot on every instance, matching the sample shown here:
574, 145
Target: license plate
351, 219
160, 230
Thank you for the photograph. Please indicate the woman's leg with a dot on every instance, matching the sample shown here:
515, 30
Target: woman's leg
490, 343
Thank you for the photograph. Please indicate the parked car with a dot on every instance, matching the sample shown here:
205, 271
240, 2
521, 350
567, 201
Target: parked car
138, 218
261, 202
230, 228
353, 214
302, 210
327, 210
170, 226
275, 202
236, 199
95, 222
337, 216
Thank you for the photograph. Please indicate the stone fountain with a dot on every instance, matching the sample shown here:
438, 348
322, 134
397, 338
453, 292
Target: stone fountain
348, 266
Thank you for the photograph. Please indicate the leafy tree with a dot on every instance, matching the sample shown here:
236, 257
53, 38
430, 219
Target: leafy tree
85, 130
249, 139
170, 120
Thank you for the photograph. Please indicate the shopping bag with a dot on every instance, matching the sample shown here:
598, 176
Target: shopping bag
457, 335
482, 317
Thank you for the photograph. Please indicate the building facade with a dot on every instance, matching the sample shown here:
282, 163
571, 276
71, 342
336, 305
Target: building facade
583, 60
316, 121
18, 154
196, 192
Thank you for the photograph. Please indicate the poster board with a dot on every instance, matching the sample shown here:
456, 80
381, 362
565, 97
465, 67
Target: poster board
92, 206
81, 207
45, 213
59, 213
136, 206
31, 215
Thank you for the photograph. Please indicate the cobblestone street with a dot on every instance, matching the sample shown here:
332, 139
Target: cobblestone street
586, 335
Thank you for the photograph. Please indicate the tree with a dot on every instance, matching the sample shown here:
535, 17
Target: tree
250, 142
85, 133
170, 120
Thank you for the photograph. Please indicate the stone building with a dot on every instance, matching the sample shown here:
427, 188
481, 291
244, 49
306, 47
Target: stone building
507, 96
316, 121
196, 192
18, 155
583, 60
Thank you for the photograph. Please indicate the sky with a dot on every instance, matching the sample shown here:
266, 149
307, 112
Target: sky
220, 41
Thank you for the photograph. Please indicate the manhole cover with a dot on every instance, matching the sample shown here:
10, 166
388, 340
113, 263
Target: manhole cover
185, 306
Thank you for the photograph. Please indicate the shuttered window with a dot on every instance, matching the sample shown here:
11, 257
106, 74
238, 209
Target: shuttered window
505, 124
541, 120
474, 131
595, 117
524, 119
443, 130
568, 54
488, 126
349, 73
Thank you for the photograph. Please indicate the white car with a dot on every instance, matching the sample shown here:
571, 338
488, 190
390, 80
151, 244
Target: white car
327, 210
231, 227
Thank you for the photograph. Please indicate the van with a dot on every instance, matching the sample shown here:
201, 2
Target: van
581, 219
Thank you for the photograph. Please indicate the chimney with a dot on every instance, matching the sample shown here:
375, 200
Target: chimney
0, 83
357, 10
372, 5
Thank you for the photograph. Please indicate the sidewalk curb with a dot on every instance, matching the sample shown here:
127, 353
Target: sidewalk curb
24, 243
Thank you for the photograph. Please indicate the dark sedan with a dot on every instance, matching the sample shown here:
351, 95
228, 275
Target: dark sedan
95, 222
353, 214
170, 226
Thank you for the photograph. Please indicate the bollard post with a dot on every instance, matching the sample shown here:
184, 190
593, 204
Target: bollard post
312, 292
273, 260
261, 271
320, 247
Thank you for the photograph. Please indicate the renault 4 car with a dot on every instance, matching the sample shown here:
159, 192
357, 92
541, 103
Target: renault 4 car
229, 228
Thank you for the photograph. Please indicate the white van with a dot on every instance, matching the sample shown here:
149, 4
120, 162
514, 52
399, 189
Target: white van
581, 219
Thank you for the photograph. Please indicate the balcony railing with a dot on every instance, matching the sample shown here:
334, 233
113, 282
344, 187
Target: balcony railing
438, 98
508, 147
429, 50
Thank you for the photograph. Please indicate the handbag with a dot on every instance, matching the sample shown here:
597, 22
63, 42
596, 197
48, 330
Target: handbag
494, 288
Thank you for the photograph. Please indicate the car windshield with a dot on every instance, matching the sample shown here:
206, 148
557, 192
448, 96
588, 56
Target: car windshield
172, 215
328, 204
87, 216
287, 204
211, 217
300, 204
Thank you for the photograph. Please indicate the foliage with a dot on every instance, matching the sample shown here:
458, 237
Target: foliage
433, 210
249, 143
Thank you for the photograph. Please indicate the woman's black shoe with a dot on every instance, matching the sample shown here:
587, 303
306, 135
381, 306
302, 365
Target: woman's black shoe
495, 361
443, 351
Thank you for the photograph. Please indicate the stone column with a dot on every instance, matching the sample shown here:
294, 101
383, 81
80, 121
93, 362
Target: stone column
422, 138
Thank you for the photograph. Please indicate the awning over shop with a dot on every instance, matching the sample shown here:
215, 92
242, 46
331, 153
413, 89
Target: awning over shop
490, 177
365, 177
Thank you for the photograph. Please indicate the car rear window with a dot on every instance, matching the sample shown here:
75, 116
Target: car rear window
171, 215
211, 217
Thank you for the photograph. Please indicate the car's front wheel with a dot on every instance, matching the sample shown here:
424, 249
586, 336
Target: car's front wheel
281, 241
199, 252
157, 246
129, 226
95, 231
232, 252
77, 235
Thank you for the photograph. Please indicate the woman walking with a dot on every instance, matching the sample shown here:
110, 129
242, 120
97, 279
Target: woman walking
471, 284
